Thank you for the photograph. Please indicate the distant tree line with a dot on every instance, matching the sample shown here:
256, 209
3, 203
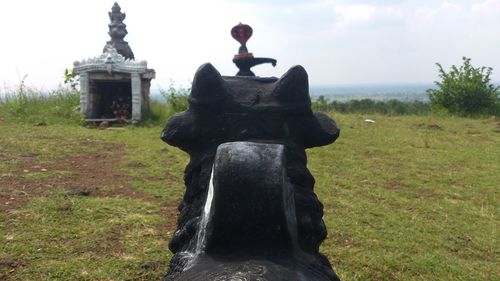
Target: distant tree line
463, 91
369, 106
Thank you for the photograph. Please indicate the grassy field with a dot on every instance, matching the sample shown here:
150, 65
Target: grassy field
406, 198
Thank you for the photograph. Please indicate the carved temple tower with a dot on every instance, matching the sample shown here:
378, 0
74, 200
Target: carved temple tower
118, 31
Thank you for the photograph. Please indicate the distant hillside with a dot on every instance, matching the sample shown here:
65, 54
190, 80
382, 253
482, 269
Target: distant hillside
403, 92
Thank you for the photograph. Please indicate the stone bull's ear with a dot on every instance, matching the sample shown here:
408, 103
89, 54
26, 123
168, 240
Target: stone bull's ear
293, 87
181, 130
208, 86
321, 131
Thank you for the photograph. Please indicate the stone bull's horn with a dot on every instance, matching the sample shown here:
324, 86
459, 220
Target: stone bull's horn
208, 86
293, 87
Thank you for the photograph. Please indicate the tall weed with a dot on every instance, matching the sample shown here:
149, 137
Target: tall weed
30, 105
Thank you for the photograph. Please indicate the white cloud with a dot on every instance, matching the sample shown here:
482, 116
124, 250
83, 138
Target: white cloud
487, 6
338, 41
450, 6
350, 14
425, 15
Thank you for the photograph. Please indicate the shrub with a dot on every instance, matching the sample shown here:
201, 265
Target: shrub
465, 91
176, 100
71, 78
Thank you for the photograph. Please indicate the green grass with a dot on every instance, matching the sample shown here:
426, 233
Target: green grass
70, 238
62, 106
27, 105
406, 198
60, 235
405, 201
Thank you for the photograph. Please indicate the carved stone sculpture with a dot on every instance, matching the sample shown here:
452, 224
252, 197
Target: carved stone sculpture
118, 31
245, 60
249, 211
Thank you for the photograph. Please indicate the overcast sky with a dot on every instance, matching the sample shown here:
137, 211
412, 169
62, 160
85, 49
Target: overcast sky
337, 41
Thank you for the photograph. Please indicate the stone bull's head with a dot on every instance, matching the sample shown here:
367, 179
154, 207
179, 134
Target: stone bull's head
232, 108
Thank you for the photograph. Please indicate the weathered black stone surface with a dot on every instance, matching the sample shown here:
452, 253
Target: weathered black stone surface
251, 228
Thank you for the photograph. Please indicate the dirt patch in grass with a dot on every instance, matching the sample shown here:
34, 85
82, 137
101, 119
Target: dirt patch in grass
429, 126
403, 187
9, 267
88, 174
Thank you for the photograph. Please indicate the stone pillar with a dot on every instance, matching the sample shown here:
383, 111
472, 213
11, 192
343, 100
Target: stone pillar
135, 79
84, 95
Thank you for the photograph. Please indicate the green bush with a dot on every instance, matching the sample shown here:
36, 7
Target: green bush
176, 100
71, 78
465, 91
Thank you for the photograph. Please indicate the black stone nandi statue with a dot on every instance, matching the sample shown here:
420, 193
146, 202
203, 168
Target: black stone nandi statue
249, 211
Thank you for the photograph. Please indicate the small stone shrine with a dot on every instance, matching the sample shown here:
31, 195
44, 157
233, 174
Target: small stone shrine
114, 86
249, 211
